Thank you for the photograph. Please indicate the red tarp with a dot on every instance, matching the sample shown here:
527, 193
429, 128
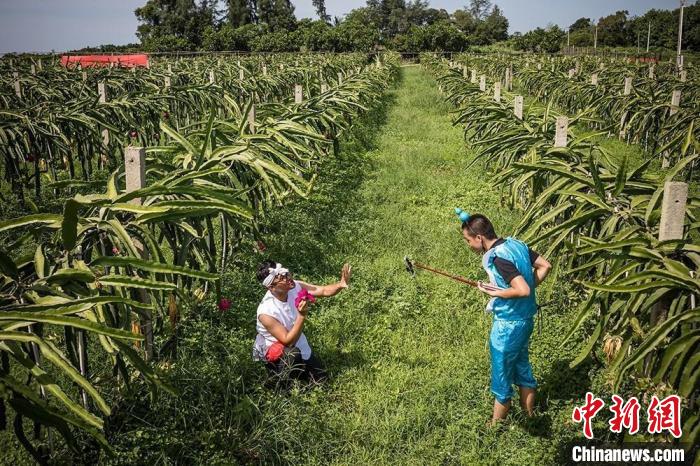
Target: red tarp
127, 61
644, 59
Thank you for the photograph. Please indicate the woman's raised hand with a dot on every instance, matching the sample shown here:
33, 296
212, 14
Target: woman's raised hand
345, 275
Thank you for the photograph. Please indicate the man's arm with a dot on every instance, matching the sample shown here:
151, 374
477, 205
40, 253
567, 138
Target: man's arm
332, 289
277, 330
542, 268
518, 286
518, 289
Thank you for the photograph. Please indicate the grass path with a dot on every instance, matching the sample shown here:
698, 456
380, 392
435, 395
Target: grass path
409, 357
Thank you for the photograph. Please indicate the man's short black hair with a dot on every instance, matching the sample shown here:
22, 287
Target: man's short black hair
478, 224
264, 269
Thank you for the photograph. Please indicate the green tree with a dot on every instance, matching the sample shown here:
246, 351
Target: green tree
418, 13
664, 28
548, 40
277, 14
444, 36
581, 38
176, 19
320, 6
480, 9
359, 30
239, 12
274, 41
691, 27
581, 24
492, 29
230, 38
464, 21
390, 15
314, 35
614, 30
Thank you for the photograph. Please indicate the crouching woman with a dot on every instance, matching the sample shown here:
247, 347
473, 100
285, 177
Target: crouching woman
281, 315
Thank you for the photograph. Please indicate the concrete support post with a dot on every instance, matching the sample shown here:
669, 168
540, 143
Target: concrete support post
673, 208
102, 91
18, 85
675, 101
562, 128
628, 86
135, 171
518, 107
251, 119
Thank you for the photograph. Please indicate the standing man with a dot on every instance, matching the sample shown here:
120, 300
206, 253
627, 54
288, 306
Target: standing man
281, 315
514, 271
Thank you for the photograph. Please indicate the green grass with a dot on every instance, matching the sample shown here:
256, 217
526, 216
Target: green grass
408, 357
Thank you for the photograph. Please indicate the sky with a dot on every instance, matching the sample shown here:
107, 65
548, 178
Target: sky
59, 25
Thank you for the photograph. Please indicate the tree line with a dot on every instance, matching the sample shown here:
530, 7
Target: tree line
402, 25
271, 26
619, 29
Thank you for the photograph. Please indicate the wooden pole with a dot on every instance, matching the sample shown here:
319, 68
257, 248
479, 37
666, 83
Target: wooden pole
298, 94
497, 91
594, 79
482, 83
473, 80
